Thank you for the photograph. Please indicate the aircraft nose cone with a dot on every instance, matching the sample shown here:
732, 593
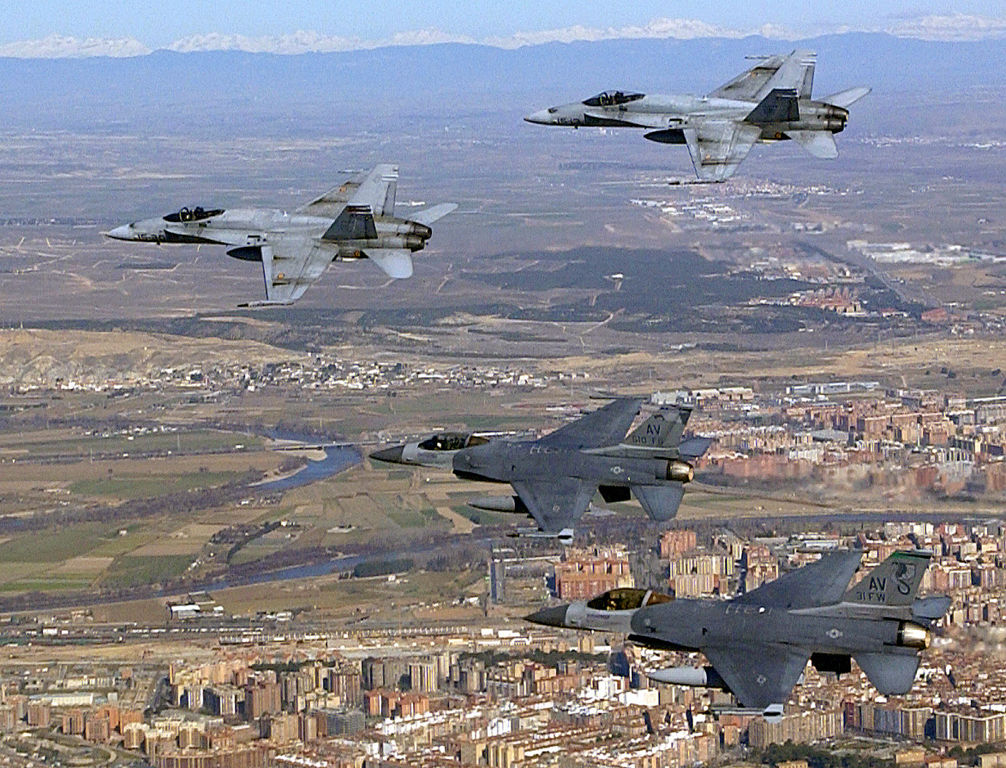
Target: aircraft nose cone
121, 233
541, 117
549, 617
392, 455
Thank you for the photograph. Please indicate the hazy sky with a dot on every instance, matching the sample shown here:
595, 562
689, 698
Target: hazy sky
158, 24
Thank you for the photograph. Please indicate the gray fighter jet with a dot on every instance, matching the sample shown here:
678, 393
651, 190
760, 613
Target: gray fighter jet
759, 643
769, 102
556, 476
356, 220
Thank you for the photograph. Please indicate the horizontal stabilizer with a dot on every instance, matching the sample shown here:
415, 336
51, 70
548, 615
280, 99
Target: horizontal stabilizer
892, 674
818, 143
393, 262
780, 106
848, 97
694, 447
437, 212
660, 502
931, 608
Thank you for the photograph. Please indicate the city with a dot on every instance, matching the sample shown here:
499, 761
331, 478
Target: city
201, 566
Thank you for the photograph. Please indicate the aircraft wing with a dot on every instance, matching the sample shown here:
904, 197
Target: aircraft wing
794, 71
555, 503
820, 583
289, 267
758, 674
694, 447
717, 147
603, 427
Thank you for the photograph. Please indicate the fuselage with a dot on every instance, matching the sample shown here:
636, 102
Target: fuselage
692, 625
251, 228
509, 461
677, 112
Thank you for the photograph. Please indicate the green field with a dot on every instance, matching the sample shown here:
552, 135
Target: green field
45, 585
56, 546
150, 486
179, 443
135, 571
483, 516
416, 518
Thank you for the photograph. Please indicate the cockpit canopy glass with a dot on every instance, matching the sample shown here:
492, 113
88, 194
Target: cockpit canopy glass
626, 599
451, 441
612, 99
192, 214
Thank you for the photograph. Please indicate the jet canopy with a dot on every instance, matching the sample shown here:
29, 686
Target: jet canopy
451, 441
612, 99
627, 599
192, 214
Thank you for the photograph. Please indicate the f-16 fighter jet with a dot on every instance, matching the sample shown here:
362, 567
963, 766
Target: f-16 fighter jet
769, 102
555, 477
356, 220
759, 643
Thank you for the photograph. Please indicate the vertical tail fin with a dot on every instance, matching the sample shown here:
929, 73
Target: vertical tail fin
796, 72
892, 583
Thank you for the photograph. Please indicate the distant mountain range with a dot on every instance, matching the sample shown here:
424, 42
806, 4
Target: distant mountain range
455, 78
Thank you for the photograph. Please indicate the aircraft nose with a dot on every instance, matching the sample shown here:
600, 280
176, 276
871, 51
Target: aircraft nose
392, 455
125, 232
541, 117
549, 617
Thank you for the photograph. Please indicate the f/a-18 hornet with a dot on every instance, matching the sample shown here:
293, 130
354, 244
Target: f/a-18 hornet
769, 102
758, 644
356, 220
555, 477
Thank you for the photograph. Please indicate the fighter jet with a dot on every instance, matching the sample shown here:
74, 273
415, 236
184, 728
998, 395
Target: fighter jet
759, 643
769, 102
556, 477
356, 220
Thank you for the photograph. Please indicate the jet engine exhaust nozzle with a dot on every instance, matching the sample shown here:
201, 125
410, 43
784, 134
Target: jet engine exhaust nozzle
680, 471
911, 635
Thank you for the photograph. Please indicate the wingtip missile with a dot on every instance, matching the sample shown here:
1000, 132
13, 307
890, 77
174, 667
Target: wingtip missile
263, 303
